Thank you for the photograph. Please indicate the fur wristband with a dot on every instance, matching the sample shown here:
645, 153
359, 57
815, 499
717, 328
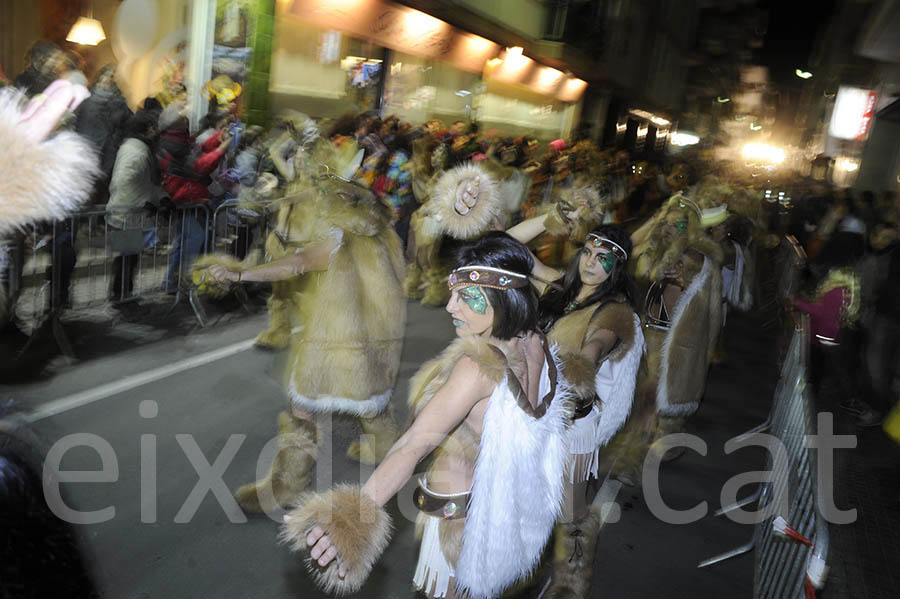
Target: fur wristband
358, 528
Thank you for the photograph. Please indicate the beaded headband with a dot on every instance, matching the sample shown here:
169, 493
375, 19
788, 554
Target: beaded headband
609, 245
486, 276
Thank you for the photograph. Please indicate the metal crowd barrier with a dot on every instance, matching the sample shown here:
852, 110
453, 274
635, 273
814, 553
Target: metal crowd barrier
240, 228
792, 541
789, 261
95, 257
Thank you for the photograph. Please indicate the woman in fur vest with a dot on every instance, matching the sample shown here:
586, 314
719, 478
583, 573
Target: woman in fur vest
589, 314
493, 413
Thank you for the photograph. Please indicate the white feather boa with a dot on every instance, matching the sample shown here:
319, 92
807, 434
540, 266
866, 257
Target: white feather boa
614, 383
517, 490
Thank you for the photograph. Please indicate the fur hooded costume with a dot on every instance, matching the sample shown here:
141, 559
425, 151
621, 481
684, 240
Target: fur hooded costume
346, 356
678, 357
505, 529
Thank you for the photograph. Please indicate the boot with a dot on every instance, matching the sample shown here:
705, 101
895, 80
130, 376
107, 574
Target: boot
379, 434
666, 425
436, 292
291, 471
413, 281
278, 335
574, 547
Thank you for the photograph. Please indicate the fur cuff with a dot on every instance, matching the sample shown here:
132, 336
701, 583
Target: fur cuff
579, 372
41, 181
487, 210
359, 529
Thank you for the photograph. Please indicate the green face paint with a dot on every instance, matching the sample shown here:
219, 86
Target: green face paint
607, 261
474, 298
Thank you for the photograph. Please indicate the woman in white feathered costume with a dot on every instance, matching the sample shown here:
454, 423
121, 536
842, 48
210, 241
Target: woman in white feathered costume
494, 413
588, 313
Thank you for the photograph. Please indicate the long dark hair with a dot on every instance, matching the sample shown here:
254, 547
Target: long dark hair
616, 288
515, 310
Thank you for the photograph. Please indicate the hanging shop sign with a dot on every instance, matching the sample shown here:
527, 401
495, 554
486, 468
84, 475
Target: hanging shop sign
853, 111
400, 28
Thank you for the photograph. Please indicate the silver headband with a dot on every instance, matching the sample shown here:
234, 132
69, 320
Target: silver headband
604, 242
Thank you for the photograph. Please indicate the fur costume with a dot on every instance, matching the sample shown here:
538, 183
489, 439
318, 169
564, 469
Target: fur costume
359, 528
42, 181
346, 356
679, 358
612, 381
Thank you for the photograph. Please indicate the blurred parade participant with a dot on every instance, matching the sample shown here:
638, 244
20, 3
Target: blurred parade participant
679, 272
494, 411
335, 249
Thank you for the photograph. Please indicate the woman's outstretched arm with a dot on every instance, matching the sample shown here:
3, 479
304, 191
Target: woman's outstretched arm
465, 387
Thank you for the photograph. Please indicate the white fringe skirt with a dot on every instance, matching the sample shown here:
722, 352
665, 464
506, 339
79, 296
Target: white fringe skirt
584, 453
434, 573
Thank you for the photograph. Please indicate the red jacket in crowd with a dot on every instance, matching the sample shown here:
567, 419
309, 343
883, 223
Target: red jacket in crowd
187, 184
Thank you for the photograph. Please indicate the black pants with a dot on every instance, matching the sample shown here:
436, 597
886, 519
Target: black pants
123, 277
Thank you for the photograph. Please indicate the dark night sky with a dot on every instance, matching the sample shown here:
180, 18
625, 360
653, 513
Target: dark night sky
792, 32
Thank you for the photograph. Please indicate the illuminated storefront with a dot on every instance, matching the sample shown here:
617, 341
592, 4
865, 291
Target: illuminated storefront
330, 57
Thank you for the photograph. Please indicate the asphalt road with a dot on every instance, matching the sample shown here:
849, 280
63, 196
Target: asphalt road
168, 400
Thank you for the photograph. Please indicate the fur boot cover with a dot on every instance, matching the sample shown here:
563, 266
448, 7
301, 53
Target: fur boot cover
435, 284
574, 550
413, 281
278, 335
41, 181
379, 435
471, 221
291, 471
689, 344
359, 529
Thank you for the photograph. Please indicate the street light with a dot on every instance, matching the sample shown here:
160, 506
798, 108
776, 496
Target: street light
755, 127
802, 74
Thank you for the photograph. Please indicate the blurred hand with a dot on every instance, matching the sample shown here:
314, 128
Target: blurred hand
44, 111
220, 274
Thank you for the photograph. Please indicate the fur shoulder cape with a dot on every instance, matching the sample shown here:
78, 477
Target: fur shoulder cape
434, 373
42, 181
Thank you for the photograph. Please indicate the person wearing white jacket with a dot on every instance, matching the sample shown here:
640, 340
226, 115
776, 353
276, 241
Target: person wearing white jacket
132, 187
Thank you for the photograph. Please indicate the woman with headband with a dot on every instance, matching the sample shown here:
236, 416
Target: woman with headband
493, 415
588, 312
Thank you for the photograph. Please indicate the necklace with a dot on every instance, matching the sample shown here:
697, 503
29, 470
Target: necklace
573, 305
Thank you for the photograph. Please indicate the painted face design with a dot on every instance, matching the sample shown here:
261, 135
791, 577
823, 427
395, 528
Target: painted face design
474, 298
607, 261
471, 311
595, 264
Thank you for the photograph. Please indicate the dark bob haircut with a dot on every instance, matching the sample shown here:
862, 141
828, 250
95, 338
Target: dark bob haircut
515, 310
616, 288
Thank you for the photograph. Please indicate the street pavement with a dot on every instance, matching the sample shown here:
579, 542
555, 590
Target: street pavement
169, 398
